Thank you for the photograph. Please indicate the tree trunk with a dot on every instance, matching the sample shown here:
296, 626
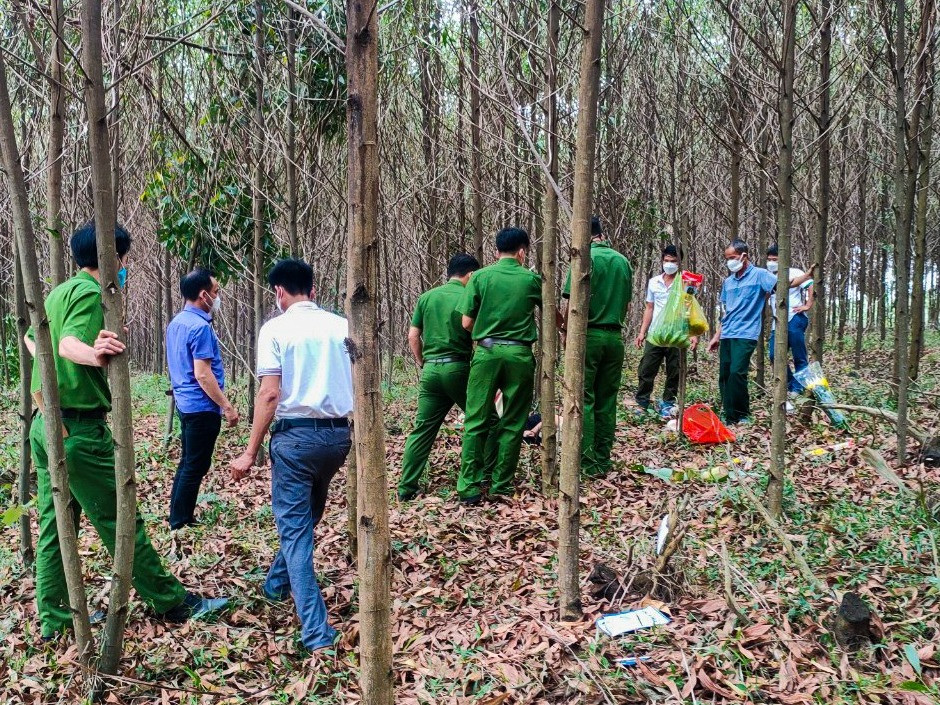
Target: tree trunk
763, 229
32, 288
374, 556
550, 263
784, 224
112, 301
115, 108
822, 244
476, 133
569, 512
291, 166
862, 250
26, 408
257, 204
918, 302
54, 223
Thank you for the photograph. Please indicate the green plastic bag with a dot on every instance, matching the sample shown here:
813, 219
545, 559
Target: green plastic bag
671, 327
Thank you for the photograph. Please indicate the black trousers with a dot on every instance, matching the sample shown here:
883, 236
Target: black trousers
653, 358
199, 432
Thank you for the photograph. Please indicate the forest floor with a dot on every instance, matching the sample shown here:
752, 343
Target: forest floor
475, 588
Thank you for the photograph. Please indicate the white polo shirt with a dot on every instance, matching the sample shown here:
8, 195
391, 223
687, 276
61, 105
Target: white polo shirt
657, 292
796, 296
306, 346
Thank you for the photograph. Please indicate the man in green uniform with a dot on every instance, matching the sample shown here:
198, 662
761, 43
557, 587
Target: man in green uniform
82, 350
611, 292
498, 307
442, 349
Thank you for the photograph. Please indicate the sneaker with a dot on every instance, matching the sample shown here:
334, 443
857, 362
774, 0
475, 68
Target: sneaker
471, 501
194, 607
666, 409
790, 408
407, 496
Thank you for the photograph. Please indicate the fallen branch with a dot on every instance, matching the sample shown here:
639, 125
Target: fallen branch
880, 466
729, 595
913, 430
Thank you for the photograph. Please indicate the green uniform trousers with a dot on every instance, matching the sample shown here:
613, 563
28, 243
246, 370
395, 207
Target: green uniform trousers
653, 357
510, 368
603, 368
734, 363
89, 458
442, 386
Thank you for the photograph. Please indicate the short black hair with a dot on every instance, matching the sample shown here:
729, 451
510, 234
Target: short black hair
596, 226
194, 283
294, 275
85, 247
671, 251
462, 264
739, 246
511, 240
772, 251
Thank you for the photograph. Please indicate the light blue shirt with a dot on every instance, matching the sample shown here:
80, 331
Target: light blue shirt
190, 337
742, 300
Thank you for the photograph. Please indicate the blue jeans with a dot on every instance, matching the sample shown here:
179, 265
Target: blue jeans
796, 341
303, 461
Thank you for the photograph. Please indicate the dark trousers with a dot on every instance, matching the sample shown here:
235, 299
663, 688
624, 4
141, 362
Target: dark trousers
653, 357
303, 461
198, 432
734, 362
796, 341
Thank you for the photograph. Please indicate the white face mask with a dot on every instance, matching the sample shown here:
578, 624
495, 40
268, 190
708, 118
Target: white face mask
277, 302
734, 265
670, 267
217, 303
772, 266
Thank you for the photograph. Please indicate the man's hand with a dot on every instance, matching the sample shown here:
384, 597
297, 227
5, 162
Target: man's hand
231, 415
106, 346
713, 344
812, 270
241, 466
640, 340
694, 340
801, 308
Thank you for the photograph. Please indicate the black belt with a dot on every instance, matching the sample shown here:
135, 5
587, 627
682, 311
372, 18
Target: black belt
287, 424
605, 326
84, 414
490, 342
443, 360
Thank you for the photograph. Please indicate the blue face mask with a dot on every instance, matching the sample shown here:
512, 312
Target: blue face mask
122, 277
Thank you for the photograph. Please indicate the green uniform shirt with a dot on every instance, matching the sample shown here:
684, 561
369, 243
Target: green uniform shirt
436, 315
74, 309
502, 298
611, 286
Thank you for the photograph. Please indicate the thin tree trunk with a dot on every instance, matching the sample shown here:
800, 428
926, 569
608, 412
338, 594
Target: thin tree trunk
32, 288
115, 108
374, 556
822, 244
476, 132
569, 512
291, 166
763, 228
550, 263
784, 224
257, 205
26, 407
112, 301
862, 250
54, 155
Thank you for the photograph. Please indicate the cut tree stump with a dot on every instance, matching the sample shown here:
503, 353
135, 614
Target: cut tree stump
852, 628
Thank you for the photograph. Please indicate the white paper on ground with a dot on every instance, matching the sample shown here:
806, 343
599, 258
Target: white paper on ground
625, 622
662, 535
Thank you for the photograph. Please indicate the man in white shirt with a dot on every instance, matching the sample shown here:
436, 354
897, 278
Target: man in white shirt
306, 382
800, 301
657, 292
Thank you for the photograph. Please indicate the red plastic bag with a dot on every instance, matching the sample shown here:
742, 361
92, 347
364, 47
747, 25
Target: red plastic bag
701, 425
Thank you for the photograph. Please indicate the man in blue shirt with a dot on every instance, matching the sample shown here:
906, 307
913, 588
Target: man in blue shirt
198, 380
743, 297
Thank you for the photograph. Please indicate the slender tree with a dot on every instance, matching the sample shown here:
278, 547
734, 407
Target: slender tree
569, 512
26, 406
112, 301
52, 415
822, 243
374, 557
54, 152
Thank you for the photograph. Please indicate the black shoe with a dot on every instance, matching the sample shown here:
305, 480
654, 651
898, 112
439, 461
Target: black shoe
193, 607
471, 501
407, 496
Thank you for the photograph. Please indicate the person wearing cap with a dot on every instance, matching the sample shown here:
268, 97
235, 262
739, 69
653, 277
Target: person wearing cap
611, 292
498, 309
799, 302
306, 383
442, 350
82, 350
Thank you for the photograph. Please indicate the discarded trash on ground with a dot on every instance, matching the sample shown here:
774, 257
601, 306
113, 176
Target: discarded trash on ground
631, 661
701, 425
823, 450
662, 535
613, 625
815, 381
